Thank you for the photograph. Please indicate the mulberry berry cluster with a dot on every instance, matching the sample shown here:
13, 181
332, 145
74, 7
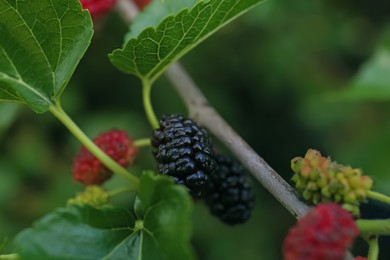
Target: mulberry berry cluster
183, 150
325, 233
116, 144
230, 196
318, 179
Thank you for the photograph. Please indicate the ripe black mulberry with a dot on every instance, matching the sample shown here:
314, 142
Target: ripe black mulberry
230, 196
184, 151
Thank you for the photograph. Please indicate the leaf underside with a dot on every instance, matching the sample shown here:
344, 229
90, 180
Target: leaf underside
154, 13
41, 43
155, 48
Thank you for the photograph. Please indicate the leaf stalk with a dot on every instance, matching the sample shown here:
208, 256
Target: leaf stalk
373, 250
369, 227
144, 142
378, 196
118, 191
146, 94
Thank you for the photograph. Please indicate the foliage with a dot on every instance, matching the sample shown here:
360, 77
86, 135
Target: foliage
303, 75
159, 230
53, 36
155, 48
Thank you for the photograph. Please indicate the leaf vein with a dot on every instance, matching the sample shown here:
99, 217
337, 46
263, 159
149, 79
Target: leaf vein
10, 62
26, 85
173, 49
32, 34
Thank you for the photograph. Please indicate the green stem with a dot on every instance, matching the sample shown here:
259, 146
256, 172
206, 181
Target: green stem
142, 142
118, 191
373, 250
94, 149
146, 91
378, 196
373, 226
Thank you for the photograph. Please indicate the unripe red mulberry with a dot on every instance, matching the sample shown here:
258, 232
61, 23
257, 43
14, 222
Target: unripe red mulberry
325, 233
97, 7
116, 144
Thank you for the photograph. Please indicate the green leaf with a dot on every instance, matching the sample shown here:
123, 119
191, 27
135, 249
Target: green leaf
166, 209
154, 13
77, 232
161, 230
155, 48
41, 43
371, 83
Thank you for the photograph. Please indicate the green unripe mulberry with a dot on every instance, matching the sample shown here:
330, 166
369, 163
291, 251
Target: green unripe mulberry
318, 179
93, 195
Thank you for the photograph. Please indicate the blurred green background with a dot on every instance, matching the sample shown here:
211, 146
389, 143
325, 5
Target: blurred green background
288, 76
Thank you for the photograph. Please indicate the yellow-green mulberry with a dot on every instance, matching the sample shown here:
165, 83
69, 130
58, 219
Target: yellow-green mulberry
318, 179
93, 195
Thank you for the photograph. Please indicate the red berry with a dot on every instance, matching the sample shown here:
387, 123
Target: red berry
142, 3
325, 233
116, 144
97, 7
360, 258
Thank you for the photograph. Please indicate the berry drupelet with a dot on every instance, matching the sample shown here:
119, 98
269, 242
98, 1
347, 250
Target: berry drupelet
184, 151
230, 196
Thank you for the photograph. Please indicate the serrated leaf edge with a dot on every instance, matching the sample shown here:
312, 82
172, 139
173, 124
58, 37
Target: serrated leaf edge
201, 5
